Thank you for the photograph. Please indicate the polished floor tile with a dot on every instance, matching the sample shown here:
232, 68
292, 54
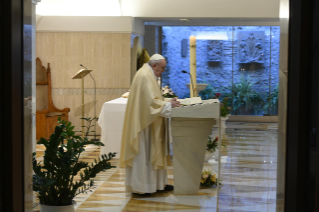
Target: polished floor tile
248, 174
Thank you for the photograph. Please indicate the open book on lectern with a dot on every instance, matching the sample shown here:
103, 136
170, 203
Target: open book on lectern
188, 101
81, 73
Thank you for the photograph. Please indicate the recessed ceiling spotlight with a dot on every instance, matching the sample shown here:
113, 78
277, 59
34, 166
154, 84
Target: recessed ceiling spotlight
184, 19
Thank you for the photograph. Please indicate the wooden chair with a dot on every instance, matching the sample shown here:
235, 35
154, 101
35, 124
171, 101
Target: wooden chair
47, 114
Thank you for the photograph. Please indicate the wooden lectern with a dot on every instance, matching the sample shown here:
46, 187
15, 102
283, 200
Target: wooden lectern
80, 75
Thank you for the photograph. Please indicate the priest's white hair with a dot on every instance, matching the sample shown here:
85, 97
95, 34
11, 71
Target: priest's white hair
156, 58
151, 62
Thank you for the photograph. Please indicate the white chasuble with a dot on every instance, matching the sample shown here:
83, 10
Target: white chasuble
144, 149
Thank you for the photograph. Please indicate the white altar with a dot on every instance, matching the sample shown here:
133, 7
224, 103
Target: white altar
111, 121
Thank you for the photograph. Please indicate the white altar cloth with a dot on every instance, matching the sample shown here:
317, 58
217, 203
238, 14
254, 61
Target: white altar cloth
111, 121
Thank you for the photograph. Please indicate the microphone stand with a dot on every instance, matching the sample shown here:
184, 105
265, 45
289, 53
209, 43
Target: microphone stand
185, 72
95, 139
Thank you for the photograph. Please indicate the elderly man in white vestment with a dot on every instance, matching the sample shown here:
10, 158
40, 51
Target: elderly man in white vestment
145, 148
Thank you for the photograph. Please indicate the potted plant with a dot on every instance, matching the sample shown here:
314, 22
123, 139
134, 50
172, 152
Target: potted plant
224, 113
224, 105
53, 179
211, 147
271, 106
246, 101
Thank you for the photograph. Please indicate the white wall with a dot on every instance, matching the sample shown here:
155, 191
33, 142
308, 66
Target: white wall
201, 8
116, 24
163, 8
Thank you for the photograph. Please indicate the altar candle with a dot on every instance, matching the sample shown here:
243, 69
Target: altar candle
192, 51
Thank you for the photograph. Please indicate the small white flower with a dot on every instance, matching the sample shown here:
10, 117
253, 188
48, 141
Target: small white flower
205, 176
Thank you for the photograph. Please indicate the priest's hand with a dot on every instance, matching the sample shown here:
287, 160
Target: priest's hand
175, 103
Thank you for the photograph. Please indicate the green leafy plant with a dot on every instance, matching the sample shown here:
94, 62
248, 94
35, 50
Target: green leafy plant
245, 100
212, 145
224, 108
207, 93
208, 179
272, 101
53, 179
224, 105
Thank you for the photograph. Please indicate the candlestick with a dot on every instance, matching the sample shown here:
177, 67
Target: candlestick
192, 62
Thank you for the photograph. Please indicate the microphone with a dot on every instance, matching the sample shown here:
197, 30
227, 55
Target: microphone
185, 72
84, 67
94, 104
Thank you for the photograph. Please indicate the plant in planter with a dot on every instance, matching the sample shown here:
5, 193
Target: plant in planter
246, 101
211, 147
271, 106
224, 105
53, 179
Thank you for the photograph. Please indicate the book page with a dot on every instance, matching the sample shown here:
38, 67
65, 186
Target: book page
188, 101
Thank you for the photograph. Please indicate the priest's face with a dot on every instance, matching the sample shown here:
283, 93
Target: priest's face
159, 68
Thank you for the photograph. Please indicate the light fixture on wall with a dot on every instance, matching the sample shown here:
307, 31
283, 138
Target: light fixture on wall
184, 19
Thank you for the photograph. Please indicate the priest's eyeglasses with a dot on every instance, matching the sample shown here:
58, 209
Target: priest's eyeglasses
163, 68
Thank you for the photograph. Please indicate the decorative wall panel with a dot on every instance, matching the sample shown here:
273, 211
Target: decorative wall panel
214, 50
107, 54
251, 46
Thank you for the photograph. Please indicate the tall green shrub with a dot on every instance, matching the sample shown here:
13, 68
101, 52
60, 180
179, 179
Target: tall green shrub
246, 101
53, 178
272, 101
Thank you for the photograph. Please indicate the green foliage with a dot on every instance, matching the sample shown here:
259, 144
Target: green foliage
212, 145
53, 178
207, 93
167, 95
224, 108
273, 102
245, 100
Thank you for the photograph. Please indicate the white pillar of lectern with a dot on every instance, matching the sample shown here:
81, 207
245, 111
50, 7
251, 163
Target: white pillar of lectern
189, 145
191, 125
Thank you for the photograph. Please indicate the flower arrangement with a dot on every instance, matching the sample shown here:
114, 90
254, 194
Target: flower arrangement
167, 92
212, 145
209, 179
224, 108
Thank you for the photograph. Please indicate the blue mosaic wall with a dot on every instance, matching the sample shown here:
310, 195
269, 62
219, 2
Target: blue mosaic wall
249, 56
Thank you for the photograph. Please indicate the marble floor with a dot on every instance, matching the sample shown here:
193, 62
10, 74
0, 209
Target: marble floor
248, 174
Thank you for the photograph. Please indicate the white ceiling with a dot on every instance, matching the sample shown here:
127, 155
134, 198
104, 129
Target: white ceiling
147, 10
79, 8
